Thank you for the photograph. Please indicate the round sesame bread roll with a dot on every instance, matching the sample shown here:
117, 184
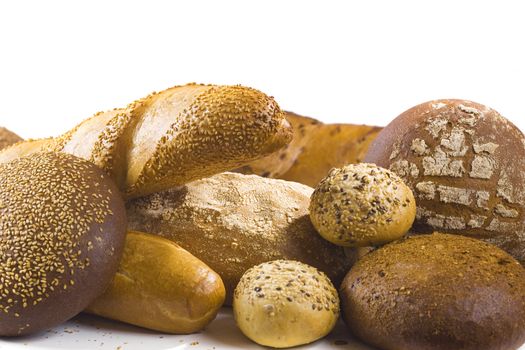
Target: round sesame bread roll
8, 138
436, 292
361, 205
62, 230
285, 303
466, 165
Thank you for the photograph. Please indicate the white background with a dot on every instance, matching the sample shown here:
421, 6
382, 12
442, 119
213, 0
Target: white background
338, 61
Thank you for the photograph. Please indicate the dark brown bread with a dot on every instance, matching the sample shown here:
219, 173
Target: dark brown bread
7, 138
62, 231
436, 292
465, 164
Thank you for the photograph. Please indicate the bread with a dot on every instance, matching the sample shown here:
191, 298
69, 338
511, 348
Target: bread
233, 222
314, 150
62, 230
161, 286
439, 292
362, 205
285, 303
8, 138
173, 137
466, 166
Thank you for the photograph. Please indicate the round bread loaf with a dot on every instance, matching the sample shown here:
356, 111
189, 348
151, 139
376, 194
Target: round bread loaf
466, 166
285, 303
361, 205
62, 231
8, 138
436, 292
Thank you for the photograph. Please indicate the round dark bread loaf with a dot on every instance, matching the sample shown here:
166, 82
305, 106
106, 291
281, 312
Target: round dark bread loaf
436, 292
62, 231
465, 164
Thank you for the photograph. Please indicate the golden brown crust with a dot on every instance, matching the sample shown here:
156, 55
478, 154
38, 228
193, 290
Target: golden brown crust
233, 222
161, 286
285, 303
8, 138
362, 205
436, 292
314, 150
465, 164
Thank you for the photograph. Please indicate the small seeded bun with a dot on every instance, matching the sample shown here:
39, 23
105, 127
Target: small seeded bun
8, 138
466, 166
285, 303
436, 292
361, 205
62, 231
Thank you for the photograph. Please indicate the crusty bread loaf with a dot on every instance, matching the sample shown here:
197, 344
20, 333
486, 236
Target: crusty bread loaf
161, 286
62, 230
233, 222
362, 205
285, 303
466, 166
436, 292
314, 150
8, 138
178, 135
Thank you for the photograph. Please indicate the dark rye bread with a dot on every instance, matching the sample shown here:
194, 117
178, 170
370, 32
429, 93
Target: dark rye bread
436, 292
465, 164
8, 138
62, 230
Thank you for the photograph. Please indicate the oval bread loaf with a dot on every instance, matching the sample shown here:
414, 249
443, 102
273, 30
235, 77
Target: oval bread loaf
161, 286
233, 222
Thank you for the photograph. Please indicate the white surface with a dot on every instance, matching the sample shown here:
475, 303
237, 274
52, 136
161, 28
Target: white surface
338, 61
360, 61
90, 332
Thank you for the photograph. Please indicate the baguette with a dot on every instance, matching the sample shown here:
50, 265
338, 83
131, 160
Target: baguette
173, 137
233, 222
8, 138
314, 150
161, 286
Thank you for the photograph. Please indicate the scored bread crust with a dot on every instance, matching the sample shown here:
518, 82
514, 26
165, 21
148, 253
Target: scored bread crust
173, 137
314, 150
233, 222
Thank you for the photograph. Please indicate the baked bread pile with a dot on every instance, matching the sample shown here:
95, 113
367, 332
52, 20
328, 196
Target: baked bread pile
133, 215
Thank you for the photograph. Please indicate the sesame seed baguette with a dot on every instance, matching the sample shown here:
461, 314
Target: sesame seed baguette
161, 286
175, 136
315, 149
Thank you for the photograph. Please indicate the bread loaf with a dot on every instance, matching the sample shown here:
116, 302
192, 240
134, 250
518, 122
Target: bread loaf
62, 230
362, 205
436, 292
314, 150
233, 222
161, 286
285, 303
170, 138
8, 138
465, 164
